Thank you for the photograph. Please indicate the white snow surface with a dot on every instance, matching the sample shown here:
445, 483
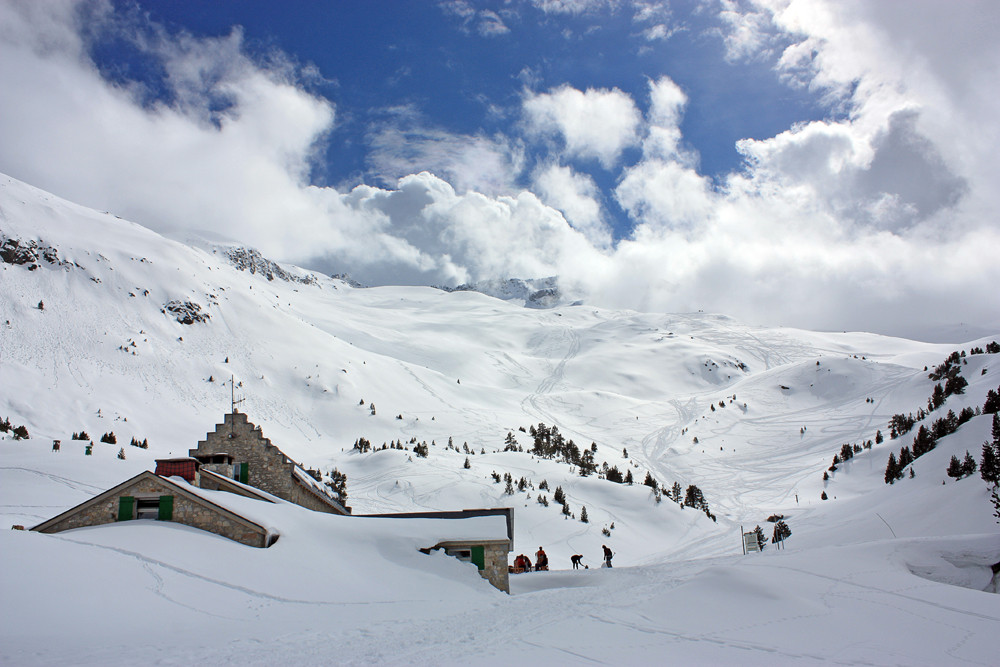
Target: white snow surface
876, 575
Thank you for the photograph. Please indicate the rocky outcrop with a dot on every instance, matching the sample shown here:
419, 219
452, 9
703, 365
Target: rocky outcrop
249, 259
186, 312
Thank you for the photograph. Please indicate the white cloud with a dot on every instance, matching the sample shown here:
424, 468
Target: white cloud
593, 124
491, 25
571, 6
487, 22
240, 171
881, 217
578, 197
404, 145
747, 30
463, 237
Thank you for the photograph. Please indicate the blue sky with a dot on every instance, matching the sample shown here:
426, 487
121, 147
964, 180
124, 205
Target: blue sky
441, 64
811, 163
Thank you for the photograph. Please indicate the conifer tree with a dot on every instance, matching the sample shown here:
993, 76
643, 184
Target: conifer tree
583, 516
954, 468
559, 496
781, 532
968, 465
891, 471
467, 465
989, 466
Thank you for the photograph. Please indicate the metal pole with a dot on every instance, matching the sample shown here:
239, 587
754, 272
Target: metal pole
743, 541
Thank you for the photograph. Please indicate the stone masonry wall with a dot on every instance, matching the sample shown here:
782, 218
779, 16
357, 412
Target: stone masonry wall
495, 567
185, 511
269, 469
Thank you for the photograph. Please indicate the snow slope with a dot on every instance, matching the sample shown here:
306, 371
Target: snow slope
877, 574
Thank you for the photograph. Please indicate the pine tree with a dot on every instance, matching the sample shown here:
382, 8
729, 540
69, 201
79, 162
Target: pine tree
989, 464
628, 478
121, 453
992, 404
583, 516
891, 470
968, 465
761, 538
650, 482
955, 468
675, 492
937, 398
878, 437
467, 465
781, 532
693, 497
823, 495
21, 432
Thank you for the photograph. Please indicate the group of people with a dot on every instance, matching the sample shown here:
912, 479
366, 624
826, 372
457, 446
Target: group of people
523, 564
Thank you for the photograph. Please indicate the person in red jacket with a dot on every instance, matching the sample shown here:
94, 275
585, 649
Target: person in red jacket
541, 560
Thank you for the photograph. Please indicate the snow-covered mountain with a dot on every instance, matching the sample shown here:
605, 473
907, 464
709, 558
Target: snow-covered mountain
532, 293
106, 326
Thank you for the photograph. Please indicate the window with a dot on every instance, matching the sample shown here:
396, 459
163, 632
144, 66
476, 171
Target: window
147, 508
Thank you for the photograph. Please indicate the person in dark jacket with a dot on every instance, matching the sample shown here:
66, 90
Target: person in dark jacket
576, 561
607, 555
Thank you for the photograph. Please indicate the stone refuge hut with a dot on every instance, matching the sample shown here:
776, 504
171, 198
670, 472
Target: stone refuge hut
489, 555
152, 496
237, 459
237, 449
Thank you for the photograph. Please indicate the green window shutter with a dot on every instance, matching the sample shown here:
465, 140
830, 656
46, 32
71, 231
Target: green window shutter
166, 508
479, 557
125, 506
244, 473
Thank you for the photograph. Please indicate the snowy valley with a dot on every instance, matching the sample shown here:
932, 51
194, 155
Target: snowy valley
107, 327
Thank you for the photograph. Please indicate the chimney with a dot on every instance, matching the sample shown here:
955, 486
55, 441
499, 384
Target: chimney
186, 467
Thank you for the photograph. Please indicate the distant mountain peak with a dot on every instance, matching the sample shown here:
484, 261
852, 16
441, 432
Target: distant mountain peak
250, 259
534, 292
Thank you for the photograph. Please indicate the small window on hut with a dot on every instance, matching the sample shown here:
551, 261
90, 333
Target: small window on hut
147, 508
460, 554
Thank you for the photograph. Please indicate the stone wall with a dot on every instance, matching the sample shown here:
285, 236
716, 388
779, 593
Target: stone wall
495, 553
186, 510
268, 467
495, 566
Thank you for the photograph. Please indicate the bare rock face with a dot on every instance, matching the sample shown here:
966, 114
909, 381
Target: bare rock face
186, 312
249, 259
20, 252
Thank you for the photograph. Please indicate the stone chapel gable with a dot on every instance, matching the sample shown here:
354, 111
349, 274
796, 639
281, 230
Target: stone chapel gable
258, 463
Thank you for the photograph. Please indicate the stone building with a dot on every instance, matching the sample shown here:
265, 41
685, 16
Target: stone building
238, 449
150, 496
489, 555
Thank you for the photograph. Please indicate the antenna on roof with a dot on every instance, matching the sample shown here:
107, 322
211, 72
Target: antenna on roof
235, 401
